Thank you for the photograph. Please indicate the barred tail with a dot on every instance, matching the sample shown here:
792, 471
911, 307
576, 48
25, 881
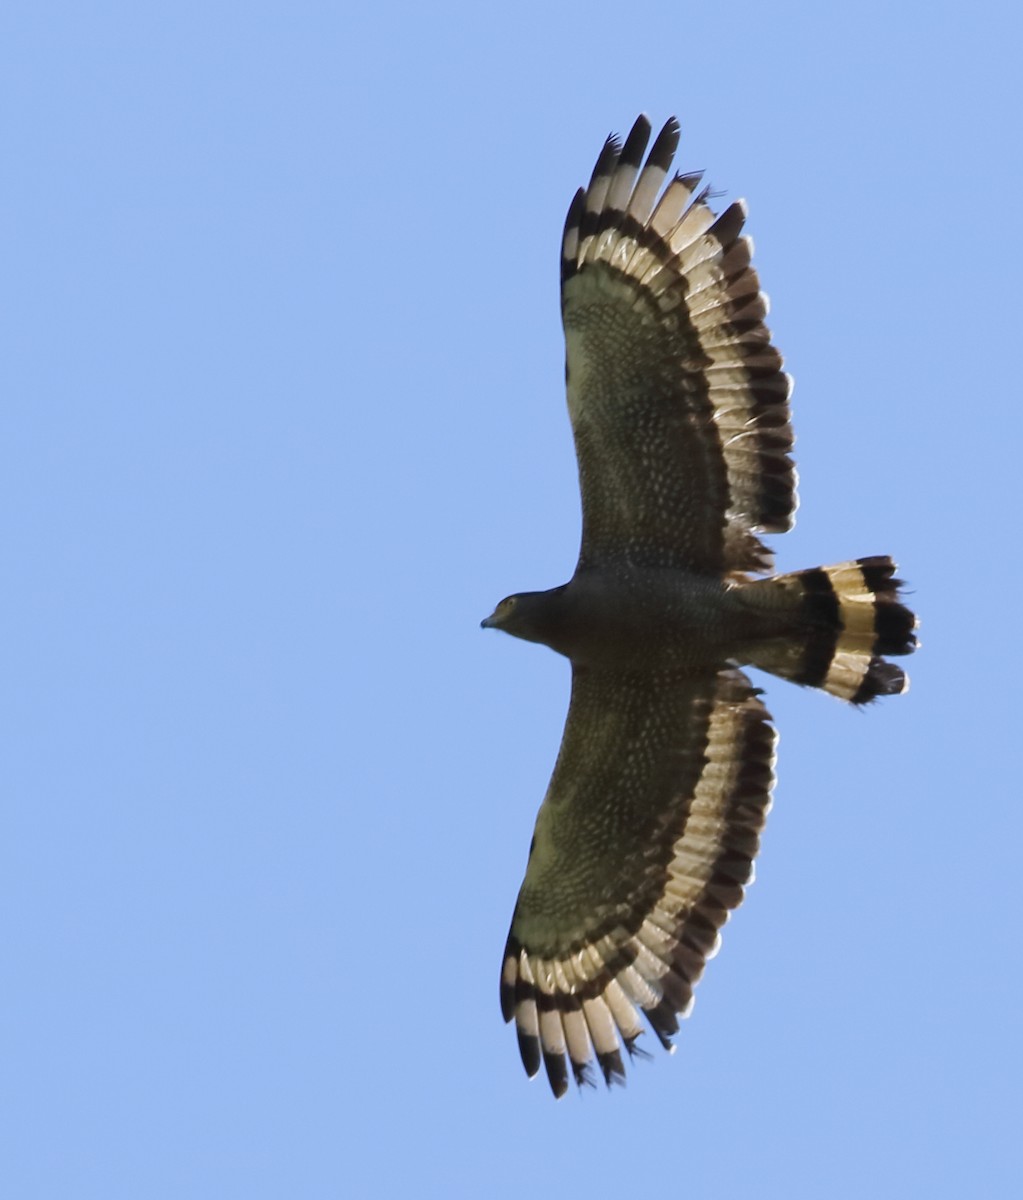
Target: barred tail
848, 617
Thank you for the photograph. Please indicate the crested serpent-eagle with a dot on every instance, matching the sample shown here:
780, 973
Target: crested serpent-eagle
679, 408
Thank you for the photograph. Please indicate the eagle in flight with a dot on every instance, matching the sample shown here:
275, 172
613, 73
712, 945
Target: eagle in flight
679, 408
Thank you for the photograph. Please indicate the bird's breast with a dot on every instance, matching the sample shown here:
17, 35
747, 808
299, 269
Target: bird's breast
648, 619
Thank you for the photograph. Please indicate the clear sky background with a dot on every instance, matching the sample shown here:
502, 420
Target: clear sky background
283, 417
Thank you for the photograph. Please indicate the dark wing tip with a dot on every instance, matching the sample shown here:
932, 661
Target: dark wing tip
529, 1052
557, 1073
612, 1068
606, 159
509, 977
636, 143
662, 153
636, 1051
583, 1075
663, 1022
729, 224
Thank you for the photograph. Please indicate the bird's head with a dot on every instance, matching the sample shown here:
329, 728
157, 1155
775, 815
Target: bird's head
504, 616
534, 616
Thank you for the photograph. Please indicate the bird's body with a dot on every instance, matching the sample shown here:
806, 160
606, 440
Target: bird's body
679, 409
644, 619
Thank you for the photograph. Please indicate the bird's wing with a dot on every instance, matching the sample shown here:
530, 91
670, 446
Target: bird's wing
642, 847
678, 401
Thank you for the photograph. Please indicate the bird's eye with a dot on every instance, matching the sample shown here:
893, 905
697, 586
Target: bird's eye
507, 604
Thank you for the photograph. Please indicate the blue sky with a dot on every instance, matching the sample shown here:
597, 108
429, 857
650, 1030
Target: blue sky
284, 418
